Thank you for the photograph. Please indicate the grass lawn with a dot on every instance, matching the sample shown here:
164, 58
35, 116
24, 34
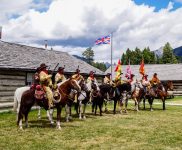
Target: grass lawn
161, 130
175, 100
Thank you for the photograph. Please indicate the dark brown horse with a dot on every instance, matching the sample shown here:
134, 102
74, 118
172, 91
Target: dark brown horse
159, 91
97, 97
65, 90
28, 99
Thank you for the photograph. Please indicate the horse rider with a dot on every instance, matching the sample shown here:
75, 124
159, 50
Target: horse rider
46, 83
107, 79
145, 82
91, 79
59, 77
78, 77
155, 82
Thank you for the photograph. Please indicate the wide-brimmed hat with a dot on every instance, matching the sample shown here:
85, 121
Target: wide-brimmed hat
60, 68
108, 74
91, 72
77, 70
42, 66
132, 75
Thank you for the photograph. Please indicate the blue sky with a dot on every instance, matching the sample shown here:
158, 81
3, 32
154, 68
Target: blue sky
74, 25
159, 4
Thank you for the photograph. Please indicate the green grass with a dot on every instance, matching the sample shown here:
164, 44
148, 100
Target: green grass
145, 130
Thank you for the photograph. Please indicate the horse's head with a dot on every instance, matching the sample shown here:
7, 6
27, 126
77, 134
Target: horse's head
56, 96
83, 85
93, 86
74, 84
170, 86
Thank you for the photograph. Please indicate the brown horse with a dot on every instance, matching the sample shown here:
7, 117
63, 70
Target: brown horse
159, 91
28, 99
65, 90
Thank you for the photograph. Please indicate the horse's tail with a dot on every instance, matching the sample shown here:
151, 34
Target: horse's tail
15, 102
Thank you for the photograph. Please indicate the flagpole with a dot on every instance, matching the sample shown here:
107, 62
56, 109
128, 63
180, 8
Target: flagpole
111, 54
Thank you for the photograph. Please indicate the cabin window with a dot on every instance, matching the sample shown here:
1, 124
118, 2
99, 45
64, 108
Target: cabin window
29, 78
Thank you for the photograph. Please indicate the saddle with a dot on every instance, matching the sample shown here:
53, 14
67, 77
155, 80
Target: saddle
39, 93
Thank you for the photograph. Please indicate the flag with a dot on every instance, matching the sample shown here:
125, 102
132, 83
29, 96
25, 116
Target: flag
142, 69
128, 71
118, 69
103, 40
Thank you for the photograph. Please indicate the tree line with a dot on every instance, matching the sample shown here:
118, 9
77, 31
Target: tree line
135, 57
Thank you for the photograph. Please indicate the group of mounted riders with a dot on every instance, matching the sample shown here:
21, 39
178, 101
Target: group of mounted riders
43, 81
77, 89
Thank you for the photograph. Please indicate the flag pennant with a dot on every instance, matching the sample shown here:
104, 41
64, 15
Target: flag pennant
142, 68
128, 70
118, 69
103, 40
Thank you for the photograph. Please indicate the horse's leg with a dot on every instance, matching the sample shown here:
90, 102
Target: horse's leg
136, 104
105, 103
80, 109
93, 106
58, 117
150, 100
50, 112
84, 108
115, 102
96, 108
126, 104
164, 107
19, 122
39, 113
120, 102
67, 109
100, 103
26, 119
144, 103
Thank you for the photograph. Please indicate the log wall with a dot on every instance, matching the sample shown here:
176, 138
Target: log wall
9, 81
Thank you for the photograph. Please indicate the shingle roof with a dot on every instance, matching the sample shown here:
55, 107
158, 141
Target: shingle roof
164, 71
16, 56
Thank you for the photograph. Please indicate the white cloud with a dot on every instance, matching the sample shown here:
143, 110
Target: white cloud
180, 1
133, 25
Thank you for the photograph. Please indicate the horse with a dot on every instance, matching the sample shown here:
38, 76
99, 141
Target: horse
97, 98
107, 91
160, 91
28, 99
168, 86
65, 89
83, 98
121, 95
17, 101
137, 94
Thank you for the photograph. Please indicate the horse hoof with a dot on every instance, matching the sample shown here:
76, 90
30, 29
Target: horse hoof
58, 127
84, 117
151, 110
80, 118
21, 128
39, 117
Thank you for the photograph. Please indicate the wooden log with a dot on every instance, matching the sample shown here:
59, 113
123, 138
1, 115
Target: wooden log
7, 99
12, 77
12, 82
6, 93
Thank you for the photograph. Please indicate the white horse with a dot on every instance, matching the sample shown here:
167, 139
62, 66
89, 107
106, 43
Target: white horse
83, 98
17, 102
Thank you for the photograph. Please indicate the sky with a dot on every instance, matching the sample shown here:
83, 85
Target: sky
74, 25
